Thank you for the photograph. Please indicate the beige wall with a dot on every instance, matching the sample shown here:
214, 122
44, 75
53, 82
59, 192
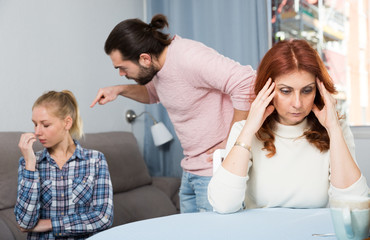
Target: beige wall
359, 113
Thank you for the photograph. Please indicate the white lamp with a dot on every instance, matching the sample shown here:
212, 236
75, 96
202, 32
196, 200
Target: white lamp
160, 133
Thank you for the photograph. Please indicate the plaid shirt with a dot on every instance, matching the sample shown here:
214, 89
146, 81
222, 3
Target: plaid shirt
77, 198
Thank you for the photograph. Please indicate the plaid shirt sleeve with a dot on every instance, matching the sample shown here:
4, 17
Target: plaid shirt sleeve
27, 207
99, 216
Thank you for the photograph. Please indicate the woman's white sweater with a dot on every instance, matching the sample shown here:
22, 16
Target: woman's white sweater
297, 176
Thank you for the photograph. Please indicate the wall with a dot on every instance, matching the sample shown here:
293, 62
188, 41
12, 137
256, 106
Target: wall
362, 144
56, 45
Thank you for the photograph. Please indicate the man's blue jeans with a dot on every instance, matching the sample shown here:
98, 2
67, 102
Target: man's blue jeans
193, 193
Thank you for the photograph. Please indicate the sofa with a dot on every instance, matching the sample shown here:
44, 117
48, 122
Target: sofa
137, 195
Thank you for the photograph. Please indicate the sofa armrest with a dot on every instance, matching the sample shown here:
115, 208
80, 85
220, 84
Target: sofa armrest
6, 233
170, 186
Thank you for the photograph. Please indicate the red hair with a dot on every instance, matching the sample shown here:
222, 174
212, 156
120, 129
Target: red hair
283, 58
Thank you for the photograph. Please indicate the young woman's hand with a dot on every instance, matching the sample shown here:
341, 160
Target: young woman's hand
327, 116
25, 145
260, 108
43, 225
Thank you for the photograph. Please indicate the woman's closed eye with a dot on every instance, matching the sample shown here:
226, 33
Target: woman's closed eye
307, 90
43, 125
285, 91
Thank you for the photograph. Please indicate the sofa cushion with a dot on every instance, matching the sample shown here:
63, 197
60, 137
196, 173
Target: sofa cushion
9, 155
170, 186
138, 204
126, 165
5, 231
8, 218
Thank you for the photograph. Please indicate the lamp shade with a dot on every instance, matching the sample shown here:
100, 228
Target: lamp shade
160, 134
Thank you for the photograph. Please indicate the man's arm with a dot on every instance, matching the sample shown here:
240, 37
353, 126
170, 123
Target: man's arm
135, 92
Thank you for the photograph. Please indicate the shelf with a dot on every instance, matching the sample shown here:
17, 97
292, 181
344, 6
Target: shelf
296, 23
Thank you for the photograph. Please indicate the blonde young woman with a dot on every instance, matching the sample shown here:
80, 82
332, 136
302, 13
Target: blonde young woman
293, 150
64, 191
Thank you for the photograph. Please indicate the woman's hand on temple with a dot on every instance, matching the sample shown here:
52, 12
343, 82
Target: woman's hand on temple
25, 145
260, 108
259, 111
328, 115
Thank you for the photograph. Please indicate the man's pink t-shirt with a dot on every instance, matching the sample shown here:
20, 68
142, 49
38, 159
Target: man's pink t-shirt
200, 89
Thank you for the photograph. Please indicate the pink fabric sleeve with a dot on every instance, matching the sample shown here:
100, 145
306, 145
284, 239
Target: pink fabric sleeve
218, 72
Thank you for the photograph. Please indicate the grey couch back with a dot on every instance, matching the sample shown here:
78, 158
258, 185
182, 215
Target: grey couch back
126, 165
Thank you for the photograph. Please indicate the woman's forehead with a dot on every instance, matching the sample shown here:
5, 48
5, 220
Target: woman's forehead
296, 79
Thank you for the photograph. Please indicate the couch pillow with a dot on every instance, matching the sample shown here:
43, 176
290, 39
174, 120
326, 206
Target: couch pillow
142, 203
8, 218
5, 231
9, 158
126, 165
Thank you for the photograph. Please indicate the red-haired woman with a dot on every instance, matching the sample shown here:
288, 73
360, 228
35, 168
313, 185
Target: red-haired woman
293, 150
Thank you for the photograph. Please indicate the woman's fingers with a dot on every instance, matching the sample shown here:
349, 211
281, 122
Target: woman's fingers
265, 93
270, 109
25, 144
26, 140
268, 96
262, 92
322, 89
315, 110
260, 108
271, 93
326, 96
327, 116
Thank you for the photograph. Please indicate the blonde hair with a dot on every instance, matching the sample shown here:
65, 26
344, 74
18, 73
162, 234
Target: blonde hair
63, 104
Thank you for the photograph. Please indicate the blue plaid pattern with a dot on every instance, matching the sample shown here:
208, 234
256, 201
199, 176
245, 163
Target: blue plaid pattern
77, 198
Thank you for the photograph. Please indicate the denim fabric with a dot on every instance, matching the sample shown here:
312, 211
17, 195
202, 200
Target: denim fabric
193, 193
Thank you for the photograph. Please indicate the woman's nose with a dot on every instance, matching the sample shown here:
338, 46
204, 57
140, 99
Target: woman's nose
297, 100
37, 131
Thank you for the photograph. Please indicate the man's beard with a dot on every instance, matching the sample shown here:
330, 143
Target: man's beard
145, 74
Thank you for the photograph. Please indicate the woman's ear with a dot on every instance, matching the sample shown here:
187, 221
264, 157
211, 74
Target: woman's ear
145, 60
68, 122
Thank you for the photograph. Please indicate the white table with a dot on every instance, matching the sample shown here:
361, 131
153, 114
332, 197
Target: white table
269, 223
